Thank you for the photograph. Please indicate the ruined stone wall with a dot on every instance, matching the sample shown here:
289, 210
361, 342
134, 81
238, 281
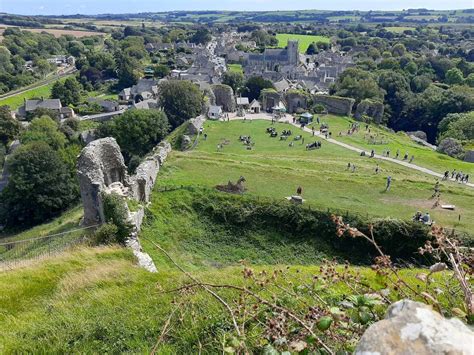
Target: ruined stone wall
99, 165
269, 99
224, 96
335, 104
370, 108
141, 184
195, 125
296, 100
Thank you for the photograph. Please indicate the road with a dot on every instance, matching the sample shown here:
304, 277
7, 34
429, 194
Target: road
289, 119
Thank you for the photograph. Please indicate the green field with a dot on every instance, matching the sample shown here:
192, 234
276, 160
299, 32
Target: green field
236, 68
304, 40
273, 169
16, 101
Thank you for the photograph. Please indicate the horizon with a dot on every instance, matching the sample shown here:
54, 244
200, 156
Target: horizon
105, 7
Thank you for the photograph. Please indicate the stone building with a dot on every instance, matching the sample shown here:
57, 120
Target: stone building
273, 59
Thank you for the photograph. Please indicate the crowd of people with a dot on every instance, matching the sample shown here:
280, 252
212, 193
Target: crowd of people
457, 176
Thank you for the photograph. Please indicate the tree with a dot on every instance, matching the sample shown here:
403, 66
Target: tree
470, 80
201, 36
454, 76
137, 131
126, 68
161, 70
311, 49
44, 129
254, 86
358, 84
459, 126
9, 127
40, 186
233, 79
68, 92
399, 50
181, 101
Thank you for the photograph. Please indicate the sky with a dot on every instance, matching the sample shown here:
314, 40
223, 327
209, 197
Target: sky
66, 7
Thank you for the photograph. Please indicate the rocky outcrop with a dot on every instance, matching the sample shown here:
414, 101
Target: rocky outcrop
369, 108
414, 328
335, 104
224, 97
296, 100
99, 166
418, 134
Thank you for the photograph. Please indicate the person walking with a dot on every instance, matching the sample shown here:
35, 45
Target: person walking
299, 190
377, 169
389, 183
412, 158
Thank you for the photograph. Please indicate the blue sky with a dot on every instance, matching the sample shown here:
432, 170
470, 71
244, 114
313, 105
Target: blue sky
58, 7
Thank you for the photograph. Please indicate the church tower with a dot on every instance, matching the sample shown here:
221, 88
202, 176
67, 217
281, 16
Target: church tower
293, 54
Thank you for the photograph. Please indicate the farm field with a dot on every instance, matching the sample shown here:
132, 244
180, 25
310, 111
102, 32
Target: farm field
304, 40
274, 170
56, 32
399, 29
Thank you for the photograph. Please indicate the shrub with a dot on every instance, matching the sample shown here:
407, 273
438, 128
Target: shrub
106, 234
116, 212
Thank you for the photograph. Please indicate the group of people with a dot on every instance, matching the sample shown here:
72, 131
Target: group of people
423, 218
457, 176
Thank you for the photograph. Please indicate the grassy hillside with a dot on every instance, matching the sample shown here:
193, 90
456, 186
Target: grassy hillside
273, 169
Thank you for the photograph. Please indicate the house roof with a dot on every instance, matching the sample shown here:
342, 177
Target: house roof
255, 104
242, 101
215, 110
51, 104
281, 85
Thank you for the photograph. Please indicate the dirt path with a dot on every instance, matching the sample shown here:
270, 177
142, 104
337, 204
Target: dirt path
289, 119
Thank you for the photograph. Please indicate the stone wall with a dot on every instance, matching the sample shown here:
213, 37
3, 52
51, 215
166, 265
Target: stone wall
141, 184
99, 165
101, 170
269, 98
370, 108
469, 156
224, 96
335, 104
296, 100
195, 125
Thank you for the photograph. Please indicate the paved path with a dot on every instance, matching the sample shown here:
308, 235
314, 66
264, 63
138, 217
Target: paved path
289, 119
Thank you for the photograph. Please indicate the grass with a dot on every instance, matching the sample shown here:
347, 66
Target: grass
96, 300
236, 68
424, 156
304, 40
272, 169
43, 91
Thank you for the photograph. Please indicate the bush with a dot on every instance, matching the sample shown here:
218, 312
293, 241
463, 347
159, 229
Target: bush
106, 234
116, 212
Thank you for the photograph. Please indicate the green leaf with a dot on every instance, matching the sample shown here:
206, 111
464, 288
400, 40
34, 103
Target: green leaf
324, 323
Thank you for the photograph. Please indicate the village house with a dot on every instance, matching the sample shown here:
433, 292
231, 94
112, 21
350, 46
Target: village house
29, 106
215, 112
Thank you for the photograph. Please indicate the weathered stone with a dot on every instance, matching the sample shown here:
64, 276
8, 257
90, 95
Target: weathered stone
143, 181
99, 165
224, 96
185, 142
335, 104
418, 134
451, 147
414, 328
296, 100
469, 156
270, 98
370, 108
195, 125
